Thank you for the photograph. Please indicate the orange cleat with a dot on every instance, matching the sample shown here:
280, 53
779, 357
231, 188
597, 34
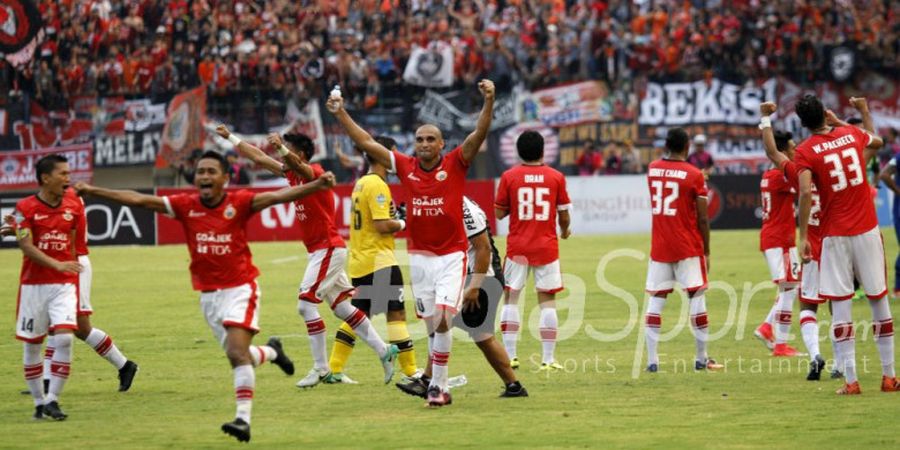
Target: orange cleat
890, 384
785, 351
849, 389
764, 334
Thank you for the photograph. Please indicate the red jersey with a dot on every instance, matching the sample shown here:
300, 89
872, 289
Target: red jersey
839, 173
675, 187
216, 239
435, 205
532, 195
778, 211
52, 231
814, 228
316, 214
81, 239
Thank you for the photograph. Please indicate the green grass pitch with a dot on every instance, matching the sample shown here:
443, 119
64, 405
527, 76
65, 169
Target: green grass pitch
183, 392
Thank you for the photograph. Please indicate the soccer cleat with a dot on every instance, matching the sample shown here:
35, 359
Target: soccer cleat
815, 369
836, 374
126, 375
764, 334
552, 367
38, 412
785, 351
312, 378
514, 363
652, 368
239, 429
512, 390
849, 389
710, 365
338, 378
414, 386
387, 362
437, 398
52, 409
281, 359
890, 384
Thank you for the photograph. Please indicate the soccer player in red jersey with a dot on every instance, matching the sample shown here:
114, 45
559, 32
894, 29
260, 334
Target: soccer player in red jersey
780, 148
437, 237
325, 277
679, 244
534, 197
833, 159
45, 226
222, 269
777, 242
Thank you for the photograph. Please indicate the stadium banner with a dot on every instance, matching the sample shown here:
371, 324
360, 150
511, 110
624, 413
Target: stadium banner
183, 131
726, 113
21, 30
279, 222
306, 120
17, 168
430, 67
568, 104
445, 112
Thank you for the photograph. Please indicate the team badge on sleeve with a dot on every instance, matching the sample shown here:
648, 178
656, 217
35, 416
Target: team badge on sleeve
380, 199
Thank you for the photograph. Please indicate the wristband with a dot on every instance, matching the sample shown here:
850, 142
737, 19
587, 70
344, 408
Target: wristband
402, 224
765, 122
234, 139
282, 150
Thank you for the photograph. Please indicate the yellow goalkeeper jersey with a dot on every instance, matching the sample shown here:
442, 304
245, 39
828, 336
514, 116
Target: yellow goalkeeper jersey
369, 249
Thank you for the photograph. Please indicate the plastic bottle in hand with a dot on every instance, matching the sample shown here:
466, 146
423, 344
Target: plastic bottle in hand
336, 92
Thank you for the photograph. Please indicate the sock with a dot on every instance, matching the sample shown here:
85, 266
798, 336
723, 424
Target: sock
783, 318
398, 334
770, 318
103, 345
838, 365
34, 368
48, 356
509, 326
653, 321
883, 330
60, 366
809, 329
244, 383
344, 340
443, 342
549, 323
315, 327
844, 344
361, 326
262, 353
699, 324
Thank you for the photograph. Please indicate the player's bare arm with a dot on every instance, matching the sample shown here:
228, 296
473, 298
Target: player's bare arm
473, 141
363, 140
703, 226
861, 105
26, 244
887, 177
565, 223
805, 206
291, 160
8, 229
266, 199
766, 109
394, 225
501, 213
251, 152
125, 197
482, 246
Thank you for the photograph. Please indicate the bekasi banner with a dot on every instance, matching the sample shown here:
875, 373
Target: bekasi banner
17, 169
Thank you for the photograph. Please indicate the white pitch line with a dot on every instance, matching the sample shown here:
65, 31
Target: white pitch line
286, 259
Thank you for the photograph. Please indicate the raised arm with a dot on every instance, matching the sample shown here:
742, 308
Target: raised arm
251, 152
360, 137
875, 143
266, 199
887, 176
766, 110
125, 197
474, 140
291, 160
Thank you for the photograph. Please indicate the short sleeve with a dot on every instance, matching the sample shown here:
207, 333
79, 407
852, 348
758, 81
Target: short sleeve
501, 201
402, 164
378, 197
175, 205
244, 199
863, 136
23, 218
801, 160
700, 185
562, 197
473, 218
317, 170
457, 155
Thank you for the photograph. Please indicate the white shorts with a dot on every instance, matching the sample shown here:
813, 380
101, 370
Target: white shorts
547, 278
325, 278
690, 273
231, 307
45, 307
845, 256
809, 283
437, 282
784, 265
84, 286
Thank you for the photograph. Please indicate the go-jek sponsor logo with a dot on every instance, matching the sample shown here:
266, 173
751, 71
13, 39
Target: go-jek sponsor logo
427, 207
54, 240
213, 243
